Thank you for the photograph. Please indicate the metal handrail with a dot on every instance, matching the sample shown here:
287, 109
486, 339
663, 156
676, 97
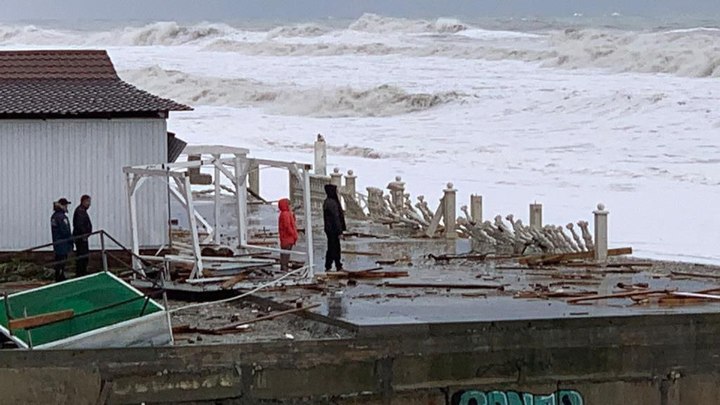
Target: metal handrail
103, 234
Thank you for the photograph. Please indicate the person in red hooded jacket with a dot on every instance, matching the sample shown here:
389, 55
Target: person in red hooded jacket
287, 230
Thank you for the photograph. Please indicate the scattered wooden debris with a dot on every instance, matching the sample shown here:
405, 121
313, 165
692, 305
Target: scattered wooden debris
554, 259
233, 327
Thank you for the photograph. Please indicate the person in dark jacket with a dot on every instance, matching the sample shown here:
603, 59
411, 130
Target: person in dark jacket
61, 236
334, 226
82, 226
287, 231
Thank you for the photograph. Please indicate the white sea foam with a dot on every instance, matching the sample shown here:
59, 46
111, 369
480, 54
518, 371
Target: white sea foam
693, 52
288, 99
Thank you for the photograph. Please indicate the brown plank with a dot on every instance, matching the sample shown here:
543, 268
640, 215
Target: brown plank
40, 320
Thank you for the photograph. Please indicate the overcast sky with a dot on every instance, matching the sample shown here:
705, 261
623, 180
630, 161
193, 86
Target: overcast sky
227, 10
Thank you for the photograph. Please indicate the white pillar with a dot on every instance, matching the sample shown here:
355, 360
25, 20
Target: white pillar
216, 180
241, 198
254, 179
449, 200
307, 204
397, 192
134, 241
536, 216
198, 270
350, 183
320, 156
601, 233
476, 208
336, 178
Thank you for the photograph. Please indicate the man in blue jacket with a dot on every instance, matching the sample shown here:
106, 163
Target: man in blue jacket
61, 236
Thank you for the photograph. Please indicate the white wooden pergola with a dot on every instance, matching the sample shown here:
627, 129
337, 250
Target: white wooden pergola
232, 163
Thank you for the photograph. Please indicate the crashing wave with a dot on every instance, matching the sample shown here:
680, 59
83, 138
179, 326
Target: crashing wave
378, 24
693, 53
171, 33
378, 101
300, 30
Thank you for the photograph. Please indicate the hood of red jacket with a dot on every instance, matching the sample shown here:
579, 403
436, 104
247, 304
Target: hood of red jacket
284, 204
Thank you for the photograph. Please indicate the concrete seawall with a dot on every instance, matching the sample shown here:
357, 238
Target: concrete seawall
651, 359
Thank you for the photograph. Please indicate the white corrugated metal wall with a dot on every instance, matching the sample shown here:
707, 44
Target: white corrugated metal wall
43, 160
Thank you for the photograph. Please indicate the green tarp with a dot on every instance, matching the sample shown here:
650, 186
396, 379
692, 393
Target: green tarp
98, 300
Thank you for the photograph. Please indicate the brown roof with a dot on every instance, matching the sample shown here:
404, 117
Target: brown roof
75, 83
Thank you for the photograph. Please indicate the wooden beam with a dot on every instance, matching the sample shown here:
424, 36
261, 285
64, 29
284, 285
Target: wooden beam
40, 320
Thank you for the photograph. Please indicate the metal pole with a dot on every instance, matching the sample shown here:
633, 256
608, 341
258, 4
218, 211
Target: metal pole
308, 223
135, 244
102, 249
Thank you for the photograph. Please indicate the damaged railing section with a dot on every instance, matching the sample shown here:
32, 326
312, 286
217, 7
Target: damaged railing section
232, 171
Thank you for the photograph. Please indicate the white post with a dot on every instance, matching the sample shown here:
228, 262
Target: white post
308, 223
134, 242
216, 178
350, 183
601, 233
449, 215
320, 156
336, 178
241, 198
198, 270
254, 179
536, 216
397, 193
476, 208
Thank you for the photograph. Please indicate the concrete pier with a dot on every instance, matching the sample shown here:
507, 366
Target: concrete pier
631, 359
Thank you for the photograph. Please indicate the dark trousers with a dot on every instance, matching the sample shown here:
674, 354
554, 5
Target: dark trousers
285, 257
81, 253
333, 252
60, 267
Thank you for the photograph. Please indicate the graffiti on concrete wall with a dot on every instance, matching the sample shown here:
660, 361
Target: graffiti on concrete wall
561, 397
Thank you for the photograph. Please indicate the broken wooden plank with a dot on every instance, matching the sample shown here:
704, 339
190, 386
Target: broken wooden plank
234, 326
535, 260
447, 258
697, 275
618, 295
365, 274
696, 295
40, 320
468, 286
359, 253
229, 284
